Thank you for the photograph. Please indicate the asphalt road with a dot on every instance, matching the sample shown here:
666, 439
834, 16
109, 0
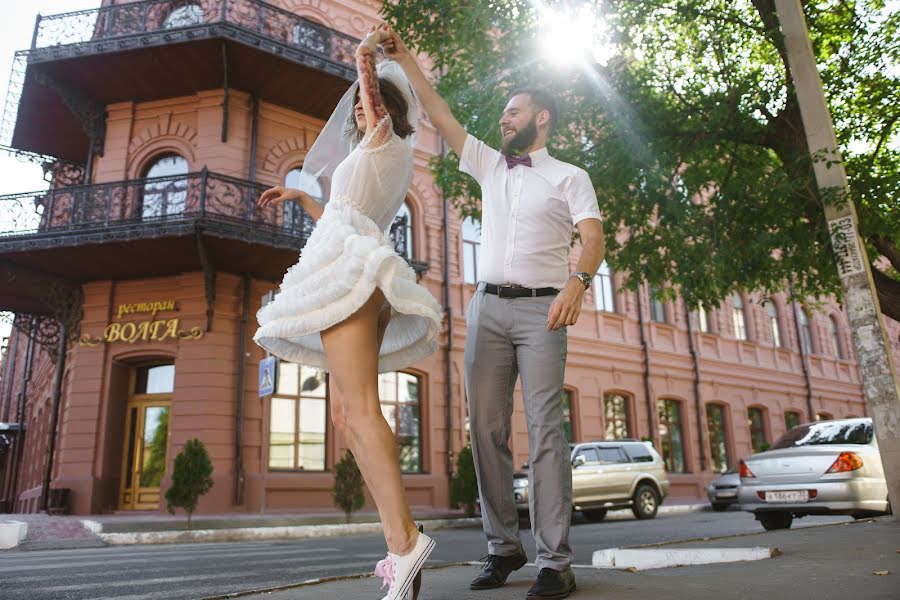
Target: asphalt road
195, 571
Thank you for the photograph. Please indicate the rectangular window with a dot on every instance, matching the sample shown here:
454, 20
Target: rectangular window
400, 404
603, 289
567, 415
657, 310
791, 419
615, 408
297, 418
756, 421
671, 435
737, 316
718, 440
471, 237
703, 320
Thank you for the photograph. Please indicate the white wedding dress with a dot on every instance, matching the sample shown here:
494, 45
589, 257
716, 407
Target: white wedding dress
347, 256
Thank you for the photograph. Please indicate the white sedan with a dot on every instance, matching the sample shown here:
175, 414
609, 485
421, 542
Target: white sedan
823, 468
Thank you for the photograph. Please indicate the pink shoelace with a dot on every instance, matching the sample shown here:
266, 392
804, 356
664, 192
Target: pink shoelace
385, 570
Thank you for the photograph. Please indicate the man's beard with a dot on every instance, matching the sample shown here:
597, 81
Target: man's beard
521, 140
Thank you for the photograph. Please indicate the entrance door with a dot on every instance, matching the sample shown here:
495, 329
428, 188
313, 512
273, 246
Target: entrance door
146, 437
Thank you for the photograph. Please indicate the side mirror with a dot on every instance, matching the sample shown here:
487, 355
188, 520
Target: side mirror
579, 461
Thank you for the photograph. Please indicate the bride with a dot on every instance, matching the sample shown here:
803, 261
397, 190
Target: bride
351, 304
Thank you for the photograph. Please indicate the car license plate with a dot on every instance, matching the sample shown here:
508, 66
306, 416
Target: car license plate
788, 496
726, 494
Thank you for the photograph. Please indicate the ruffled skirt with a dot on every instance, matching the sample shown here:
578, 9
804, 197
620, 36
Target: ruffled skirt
346, 257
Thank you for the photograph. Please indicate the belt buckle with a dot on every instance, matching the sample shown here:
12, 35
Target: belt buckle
507, 286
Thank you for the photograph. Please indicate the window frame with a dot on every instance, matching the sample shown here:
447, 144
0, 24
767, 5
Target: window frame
674, 464
474, 246
625, 419
762, 429
395, 429
297, 400
723, 446
604, 289
739, 317
774, 318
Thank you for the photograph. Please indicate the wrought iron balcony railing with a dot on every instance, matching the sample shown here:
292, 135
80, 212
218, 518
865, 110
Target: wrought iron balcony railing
155, 207
164, 16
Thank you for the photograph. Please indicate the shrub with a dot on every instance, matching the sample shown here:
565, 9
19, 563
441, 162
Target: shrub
349, 486
190, 478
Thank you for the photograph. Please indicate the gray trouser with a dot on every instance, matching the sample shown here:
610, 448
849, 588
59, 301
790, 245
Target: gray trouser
508, 337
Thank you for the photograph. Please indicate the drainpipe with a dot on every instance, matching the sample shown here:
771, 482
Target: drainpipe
20, 417
803, 356
54, 416
448, 353
697, 400
646, 352
239, 402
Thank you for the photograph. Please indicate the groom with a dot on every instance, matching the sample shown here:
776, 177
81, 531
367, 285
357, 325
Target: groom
516, 322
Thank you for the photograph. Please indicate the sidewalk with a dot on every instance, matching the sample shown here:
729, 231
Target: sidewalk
824, 562
62, 532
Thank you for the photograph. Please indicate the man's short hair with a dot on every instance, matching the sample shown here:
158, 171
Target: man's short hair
542, 100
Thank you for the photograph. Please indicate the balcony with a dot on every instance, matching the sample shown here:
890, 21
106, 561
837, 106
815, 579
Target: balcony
140, 51
146, 228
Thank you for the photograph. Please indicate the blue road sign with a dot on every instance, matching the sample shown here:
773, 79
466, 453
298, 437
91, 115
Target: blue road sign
267, 376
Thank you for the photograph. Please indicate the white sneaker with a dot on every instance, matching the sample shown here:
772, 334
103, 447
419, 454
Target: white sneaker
400, 571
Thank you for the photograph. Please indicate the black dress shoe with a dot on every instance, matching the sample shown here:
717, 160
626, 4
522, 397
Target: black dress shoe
496, 569
552, 584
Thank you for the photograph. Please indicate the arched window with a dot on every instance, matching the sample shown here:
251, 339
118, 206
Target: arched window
618, 416
718, 437
402, 232
401, 402
603, 289
756, 421
824, 416
657, 310
737, 317
471, 237
835, 335
805, 333
295, 218
310, 36
671, 435
297, 419
568, 400
184, 16
774, 325
165, 189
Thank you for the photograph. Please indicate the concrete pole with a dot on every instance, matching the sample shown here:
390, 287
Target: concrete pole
872, 350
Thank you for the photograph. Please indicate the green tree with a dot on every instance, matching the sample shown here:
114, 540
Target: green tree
191, 478
692, 133
349, 487
464, 484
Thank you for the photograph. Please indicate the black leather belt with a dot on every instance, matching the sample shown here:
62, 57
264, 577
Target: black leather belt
509, 290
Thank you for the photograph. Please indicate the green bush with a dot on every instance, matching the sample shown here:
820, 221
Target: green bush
348, 494
190, 478
464, 484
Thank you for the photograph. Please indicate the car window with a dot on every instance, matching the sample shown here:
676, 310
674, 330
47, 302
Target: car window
589, 454
639, 453
825, 433
612, 455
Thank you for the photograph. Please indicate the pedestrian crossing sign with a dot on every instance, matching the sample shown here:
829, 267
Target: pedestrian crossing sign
267, 376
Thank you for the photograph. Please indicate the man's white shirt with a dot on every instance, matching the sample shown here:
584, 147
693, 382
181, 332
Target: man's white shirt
527, 215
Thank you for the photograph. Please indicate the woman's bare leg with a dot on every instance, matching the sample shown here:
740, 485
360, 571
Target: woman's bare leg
351, 348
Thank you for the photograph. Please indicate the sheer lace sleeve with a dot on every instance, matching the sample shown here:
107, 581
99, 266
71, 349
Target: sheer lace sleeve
379, 135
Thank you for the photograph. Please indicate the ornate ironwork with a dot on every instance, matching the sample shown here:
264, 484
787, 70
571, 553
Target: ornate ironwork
90, 113
13, 96
155, 207
171, 18
44, 330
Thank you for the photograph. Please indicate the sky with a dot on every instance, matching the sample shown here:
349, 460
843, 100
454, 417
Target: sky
16, 29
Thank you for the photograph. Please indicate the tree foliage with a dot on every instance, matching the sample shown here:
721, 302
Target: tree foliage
349, 487
191, 478
692, 134
464, 484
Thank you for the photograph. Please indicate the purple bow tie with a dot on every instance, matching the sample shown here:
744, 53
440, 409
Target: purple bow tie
512, 161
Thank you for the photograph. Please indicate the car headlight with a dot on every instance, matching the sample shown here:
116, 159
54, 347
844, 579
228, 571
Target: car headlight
520, 483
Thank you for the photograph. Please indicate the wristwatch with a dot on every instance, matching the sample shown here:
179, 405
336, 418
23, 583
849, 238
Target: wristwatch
584, 278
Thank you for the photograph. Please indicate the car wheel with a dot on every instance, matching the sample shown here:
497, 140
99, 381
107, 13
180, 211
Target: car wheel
775, 520
645, 502
594, 515
719, 507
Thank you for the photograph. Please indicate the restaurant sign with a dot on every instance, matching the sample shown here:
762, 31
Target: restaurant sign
146, 330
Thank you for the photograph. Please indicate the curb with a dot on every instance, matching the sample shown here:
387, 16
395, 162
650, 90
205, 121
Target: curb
260, 533
12, 533
641, 560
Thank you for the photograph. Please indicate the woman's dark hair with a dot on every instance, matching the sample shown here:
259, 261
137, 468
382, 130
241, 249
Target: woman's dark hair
397, 106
